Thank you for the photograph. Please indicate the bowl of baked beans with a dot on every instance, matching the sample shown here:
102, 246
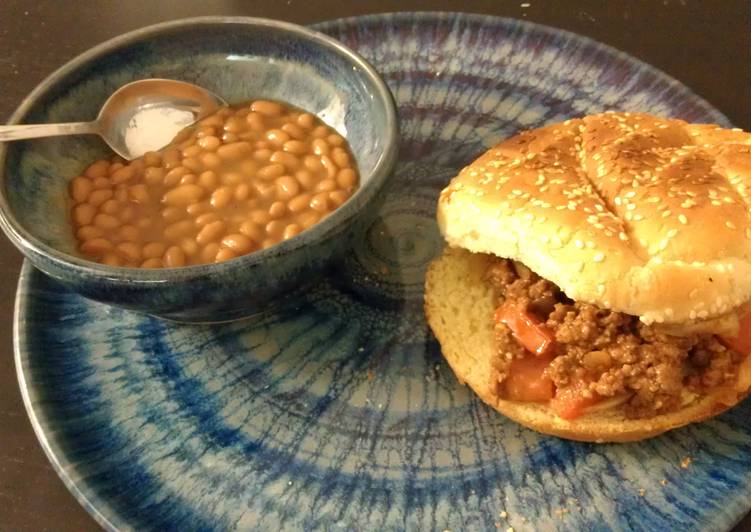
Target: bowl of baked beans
247, 204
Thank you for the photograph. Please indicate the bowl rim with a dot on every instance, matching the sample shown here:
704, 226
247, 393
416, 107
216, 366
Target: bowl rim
28, 243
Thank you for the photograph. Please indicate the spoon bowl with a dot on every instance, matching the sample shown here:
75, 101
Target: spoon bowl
142, 116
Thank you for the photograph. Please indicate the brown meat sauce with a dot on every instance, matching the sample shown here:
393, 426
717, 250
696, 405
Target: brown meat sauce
614, 353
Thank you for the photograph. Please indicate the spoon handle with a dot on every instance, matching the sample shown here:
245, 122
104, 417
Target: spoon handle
33, 131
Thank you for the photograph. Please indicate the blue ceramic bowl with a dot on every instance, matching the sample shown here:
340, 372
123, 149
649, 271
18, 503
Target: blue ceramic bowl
239, 59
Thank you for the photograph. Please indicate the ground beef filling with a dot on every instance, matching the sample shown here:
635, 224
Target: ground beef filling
614, 353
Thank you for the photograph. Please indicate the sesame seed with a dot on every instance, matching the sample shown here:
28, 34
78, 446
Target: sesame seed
666, 214
672, 233
692, 315
682, 218
730, 225
631, 206
623, 236
599, 257
702, 314
578, 243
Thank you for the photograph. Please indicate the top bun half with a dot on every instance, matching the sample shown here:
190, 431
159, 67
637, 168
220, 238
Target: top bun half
637, 214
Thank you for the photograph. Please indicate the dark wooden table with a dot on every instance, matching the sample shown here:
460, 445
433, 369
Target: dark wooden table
704, 44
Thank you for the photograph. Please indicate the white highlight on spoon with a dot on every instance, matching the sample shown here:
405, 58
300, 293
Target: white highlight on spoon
154, 127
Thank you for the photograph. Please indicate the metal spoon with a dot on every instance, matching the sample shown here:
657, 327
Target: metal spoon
141, 116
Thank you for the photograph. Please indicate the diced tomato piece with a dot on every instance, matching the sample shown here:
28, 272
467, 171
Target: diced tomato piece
528, 330
570, 402
527, 380
742, 342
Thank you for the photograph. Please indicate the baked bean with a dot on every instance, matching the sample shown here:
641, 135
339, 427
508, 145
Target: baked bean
174, 257
313, 163
306, 179
335, 139
266, 108
98, 197
183, 195
299, 203
307, 219
139, 193
262, 155
208, 180
172, 214
255, 121
260, 217
212, 121
242, 192
210, 143
189, 247
173, 176
238, 242
224, 254
294, 131
210, 232
268, 242
330, 166
340, 157
153, 176
211, 160
106, 221
128, 233
83, 213
127, 214
291, 162
110, 259
271, 171
277, 137
208, 253
206, 131
320, 202
346, 178
171, 158
221, 197
275, 228
291, 230
80, 188
244, 178
234, 150
320, 132
277, 209
194, 165
306, 120
192, 151
97, 169
130, 250
229, 138
195, 209
176, 231
96, 245
234, 125
153, 250
87, 232
152, 263
102, 182
126, 173
338, 197
287, 187
327, 185
232, 178
111, 206
252, 230
206, 218
320, 147
152, 158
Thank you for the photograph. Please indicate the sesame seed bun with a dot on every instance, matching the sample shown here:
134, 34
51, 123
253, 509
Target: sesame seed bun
630, 212
459, 306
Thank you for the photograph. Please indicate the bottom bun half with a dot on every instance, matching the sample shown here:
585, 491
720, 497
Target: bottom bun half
459, 307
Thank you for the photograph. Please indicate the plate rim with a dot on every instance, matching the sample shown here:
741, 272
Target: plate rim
56, 456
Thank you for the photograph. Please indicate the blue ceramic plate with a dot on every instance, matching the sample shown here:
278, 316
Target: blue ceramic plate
339, 413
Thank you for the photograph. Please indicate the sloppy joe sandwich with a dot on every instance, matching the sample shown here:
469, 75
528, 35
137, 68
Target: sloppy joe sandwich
597, 276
